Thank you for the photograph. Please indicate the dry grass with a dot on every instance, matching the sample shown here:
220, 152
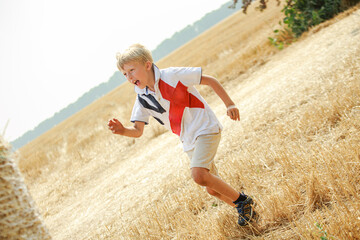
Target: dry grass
296, 149
301, 162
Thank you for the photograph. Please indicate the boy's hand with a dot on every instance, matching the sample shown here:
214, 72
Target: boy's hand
233, 113
116, 126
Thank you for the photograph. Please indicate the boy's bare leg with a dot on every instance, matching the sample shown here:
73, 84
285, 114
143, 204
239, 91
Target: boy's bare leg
219, 196
215, 185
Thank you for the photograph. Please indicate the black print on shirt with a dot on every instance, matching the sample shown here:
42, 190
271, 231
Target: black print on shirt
145, 104
157, 119
158, 108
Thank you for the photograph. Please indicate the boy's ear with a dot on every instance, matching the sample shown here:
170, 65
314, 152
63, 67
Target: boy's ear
148, 65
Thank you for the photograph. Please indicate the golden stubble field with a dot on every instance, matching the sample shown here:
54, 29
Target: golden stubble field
296, 149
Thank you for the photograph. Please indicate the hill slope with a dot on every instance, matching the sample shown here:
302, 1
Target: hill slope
296, 149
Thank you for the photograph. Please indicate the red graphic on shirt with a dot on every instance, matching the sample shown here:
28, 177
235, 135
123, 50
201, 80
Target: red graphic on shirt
179, 98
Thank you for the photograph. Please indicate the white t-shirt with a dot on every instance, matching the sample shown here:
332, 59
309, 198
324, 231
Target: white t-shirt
177, 105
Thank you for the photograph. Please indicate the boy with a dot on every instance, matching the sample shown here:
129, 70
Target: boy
170, 97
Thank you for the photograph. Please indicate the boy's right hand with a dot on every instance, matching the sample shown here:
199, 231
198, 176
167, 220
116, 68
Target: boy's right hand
233, 113
116, 126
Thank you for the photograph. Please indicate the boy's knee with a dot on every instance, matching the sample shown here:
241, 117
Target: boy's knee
200, 175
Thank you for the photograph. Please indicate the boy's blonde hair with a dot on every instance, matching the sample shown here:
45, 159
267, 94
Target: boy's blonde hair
135, 52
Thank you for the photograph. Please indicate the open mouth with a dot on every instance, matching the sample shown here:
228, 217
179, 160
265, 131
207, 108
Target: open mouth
137, 82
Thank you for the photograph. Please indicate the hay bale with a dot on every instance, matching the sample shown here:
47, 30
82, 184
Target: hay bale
18, 217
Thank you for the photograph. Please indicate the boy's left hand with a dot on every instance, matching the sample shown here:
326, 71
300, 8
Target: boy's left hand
234, 113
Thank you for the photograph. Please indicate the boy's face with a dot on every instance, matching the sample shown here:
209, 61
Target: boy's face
138, 73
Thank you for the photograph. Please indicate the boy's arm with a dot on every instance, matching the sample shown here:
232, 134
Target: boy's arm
232, 110
117, 128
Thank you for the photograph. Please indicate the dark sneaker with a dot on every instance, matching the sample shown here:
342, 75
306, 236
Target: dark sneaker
246, 211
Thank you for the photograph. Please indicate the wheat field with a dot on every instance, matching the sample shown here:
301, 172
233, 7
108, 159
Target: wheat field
296, 149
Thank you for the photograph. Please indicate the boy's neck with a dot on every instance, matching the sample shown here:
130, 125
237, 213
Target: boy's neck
151, 84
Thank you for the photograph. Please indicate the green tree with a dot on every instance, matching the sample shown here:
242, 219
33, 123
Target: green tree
300, 15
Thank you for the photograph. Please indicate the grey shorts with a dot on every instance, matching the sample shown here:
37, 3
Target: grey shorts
204, 152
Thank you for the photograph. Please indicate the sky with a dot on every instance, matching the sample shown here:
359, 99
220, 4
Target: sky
53, 51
